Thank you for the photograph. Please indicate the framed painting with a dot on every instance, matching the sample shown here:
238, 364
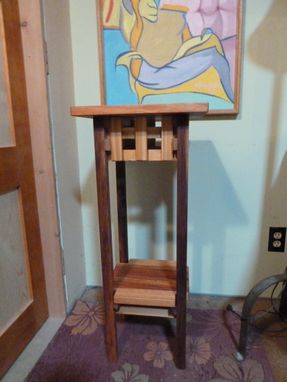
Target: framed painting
170, 51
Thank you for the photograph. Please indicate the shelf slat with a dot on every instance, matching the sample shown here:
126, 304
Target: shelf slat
145, 283
131, 310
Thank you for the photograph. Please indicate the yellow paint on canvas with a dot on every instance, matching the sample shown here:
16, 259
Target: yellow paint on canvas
206, 83
176, 8
197, 44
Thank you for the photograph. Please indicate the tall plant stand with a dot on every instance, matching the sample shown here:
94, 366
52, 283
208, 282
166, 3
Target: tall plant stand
141, 287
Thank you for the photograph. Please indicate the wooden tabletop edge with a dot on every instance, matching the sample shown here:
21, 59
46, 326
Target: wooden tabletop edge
94, 111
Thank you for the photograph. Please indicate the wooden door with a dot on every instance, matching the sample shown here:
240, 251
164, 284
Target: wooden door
23, 302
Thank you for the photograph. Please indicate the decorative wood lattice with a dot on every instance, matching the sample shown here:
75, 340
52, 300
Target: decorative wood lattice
141, 138
149, 287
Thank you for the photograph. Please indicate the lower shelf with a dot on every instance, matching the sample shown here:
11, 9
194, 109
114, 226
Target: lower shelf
149, 311
148, 283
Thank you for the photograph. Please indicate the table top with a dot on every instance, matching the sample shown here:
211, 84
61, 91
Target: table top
197, 109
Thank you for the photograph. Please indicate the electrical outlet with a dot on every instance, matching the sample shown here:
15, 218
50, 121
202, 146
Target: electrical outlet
276, 241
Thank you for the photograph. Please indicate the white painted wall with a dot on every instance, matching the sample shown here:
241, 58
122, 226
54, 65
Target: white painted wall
238, 167
61, 96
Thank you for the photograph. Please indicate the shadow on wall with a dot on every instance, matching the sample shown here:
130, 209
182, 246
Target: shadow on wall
89, 202
213, 208
267, 48
150, 191
276, 198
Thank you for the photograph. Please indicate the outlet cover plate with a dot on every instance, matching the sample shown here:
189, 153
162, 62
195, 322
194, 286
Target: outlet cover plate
277, 237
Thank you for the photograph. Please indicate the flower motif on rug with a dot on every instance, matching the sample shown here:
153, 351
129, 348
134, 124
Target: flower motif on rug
85, 318
230, 370
214, 324
157, 353
129, 373
198, 350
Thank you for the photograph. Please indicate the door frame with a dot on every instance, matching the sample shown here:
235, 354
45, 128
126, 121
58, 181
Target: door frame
38, 109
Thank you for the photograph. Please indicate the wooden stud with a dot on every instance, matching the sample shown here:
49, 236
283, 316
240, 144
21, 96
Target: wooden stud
105, 237
182, 123
122, 211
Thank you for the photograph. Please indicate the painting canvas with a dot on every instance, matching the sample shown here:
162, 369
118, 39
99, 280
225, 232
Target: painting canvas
171, 51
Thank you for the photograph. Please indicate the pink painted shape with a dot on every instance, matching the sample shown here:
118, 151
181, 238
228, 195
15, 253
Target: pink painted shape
229, 23
214, 21
219, 15
195, 22
228, 5
208, 7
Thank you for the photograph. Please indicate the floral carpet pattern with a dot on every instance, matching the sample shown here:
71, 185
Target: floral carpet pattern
146, 350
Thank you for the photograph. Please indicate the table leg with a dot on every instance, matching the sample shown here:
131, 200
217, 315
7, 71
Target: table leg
182, 197
122, 211
105, 237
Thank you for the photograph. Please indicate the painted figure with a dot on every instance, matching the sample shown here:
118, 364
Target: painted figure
165, 56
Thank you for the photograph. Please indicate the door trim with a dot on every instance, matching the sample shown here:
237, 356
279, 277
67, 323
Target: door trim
37, 94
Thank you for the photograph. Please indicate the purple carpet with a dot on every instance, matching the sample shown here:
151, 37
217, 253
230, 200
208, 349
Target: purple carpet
146, 350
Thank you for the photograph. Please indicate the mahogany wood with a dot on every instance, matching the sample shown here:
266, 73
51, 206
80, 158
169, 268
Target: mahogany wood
182, 123
9, 169
197, 109
145, 297
105, 236
122, 212
145, 283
